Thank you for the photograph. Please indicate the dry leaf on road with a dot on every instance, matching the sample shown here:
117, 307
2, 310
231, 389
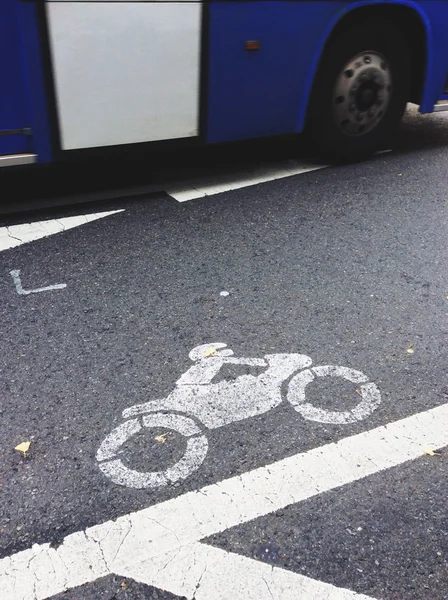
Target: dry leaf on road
430, 452
23, 447
209, 352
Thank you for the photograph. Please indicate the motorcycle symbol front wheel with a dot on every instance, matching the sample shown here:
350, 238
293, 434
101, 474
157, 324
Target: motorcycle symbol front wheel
370, 397
110, 463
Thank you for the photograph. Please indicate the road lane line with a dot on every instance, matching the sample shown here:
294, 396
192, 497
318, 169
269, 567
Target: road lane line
206, 186
203, 572
16, 235
194, 189
133, 539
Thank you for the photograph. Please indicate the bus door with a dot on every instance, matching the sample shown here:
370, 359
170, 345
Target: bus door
125, 72
14, 132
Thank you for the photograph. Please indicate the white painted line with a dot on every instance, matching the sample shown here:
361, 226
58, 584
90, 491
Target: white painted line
383, 151
184, 193
194, 189
191, 190
203, 572
126, 544
16, 235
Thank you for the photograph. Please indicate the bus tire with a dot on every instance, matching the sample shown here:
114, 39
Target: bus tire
360, 91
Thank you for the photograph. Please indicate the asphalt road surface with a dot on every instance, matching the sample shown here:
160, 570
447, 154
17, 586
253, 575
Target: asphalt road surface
253, 476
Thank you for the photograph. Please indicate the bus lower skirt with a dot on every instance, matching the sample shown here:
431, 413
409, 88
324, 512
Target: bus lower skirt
13, 160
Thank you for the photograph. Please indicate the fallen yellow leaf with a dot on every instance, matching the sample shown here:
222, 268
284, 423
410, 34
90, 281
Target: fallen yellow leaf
161, 438
209, 352
23, 447
430, 452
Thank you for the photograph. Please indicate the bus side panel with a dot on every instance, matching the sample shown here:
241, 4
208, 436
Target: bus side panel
258, 93
125, 72
435, 15
36, 91
14, 144
13, 114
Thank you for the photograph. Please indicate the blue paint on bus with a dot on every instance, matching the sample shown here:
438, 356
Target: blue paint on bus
37, 95
434, 15
262, 93
255, 94
249, 94
13, 113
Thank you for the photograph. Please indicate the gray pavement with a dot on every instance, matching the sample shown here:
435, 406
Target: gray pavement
346, 265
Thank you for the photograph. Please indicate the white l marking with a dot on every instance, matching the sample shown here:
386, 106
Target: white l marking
17, 282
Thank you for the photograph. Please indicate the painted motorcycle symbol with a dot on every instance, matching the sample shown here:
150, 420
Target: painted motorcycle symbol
197, 404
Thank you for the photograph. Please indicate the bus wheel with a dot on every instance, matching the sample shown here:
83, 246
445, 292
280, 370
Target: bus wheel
360, 92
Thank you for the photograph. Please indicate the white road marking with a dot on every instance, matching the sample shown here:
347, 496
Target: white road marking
206, 186
191, 190
16, 235
203, 572
115, 469
369, 393
214, 405
19, 289
132, 542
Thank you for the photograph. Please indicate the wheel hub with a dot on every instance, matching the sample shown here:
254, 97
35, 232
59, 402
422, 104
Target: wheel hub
362, 93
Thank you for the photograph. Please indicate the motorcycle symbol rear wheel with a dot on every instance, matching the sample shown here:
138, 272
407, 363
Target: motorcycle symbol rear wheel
115, 469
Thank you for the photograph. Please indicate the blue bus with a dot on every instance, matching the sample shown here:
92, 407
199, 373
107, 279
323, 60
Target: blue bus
84, 76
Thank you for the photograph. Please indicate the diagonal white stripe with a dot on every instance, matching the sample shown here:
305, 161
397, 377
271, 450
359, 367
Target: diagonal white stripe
206, 186
201, 572
134, 539
16, 235
191, 190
